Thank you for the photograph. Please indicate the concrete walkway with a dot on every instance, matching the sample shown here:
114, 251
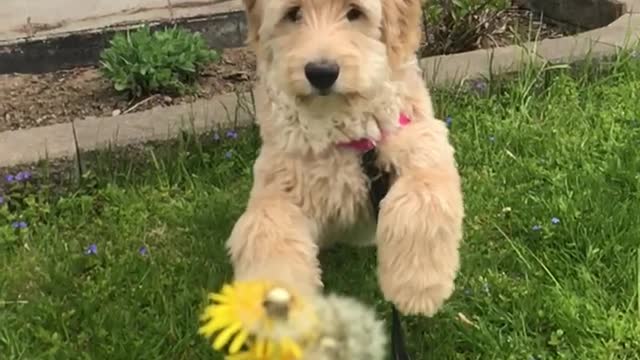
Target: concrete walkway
42, 18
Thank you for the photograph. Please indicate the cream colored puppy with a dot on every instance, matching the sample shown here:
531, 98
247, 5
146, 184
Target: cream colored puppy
336, 77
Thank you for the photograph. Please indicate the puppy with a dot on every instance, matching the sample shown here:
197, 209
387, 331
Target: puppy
336, 78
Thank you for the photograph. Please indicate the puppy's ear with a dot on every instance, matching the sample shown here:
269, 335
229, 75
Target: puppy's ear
401, 28
253, 20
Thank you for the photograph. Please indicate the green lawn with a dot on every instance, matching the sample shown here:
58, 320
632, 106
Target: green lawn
551, 168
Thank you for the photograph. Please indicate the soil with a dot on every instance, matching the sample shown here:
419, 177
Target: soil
489, 29
30, 100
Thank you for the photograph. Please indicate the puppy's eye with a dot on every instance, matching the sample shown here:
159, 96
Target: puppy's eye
354, 14
294, 14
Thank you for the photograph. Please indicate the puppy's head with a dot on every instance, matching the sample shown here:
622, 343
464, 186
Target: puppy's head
332, 48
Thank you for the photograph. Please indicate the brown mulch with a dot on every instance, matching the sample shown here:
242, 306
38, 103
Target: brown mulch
30, 100
513, 25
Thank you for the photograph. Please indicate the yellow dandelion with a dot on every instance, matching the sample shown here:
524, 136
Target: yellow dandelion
232, 313
256, 315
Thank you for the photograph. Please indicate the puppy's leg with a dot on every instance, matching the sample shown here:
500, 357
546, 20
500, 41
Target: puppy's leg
274, 240
420, 224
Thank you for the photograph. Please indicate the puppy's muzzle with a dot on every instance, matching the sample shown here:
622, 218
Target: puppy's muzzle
322, 75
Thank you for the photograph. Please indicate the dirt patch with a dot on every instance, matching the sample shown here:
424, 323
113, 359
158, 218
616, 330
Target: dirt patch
43, 99
28, 100
486, 29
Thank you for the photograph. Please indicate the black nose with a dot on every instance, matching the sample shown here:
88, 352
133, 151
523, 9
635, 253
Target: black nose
322, 74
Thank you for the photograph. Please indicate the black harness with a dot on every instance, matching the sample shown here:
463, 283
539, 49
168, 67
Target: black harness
379, 183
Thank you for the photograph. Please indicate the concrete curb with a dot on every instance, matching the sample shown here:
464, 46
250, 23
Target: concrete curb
163, 123
64, 141
57, 142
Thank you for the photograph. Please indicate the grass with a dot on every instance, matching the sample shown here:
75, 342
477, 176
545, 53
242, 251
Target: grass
550, 143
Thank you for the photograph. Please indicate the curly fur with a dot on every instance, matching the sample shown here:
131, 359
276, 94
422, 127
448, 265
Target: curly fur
308, 192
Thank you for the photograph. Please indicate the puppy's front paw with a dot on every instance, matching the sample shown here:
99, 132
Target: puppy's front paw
418, 239
413, 297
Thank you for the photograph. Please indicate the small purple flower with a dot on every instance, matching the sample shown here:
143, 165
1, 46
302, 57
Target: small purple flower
91, 250
555, 221
480, 86
228, 154
448, 121
23, 176
232, 134
10, 178
216, 136
536, 228
144, 251
1, 199
19, 225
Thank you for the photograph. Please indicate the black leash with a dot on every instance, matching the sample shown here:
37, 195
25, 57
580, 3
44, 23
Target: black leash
379, 183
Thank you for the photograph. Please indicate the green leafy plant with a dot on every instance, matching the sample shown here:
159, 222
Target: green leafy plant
143, 62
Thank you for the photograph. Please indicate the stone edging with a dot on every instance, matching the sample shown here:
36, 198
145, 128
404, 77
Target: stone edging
61, 141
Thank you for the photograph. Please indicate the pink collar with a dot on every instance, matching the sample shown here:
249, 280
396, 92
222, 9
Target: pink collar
366, 144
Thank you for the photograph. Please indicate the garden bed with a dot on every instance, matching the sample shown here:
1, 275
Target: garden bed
31, 100
491, 28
